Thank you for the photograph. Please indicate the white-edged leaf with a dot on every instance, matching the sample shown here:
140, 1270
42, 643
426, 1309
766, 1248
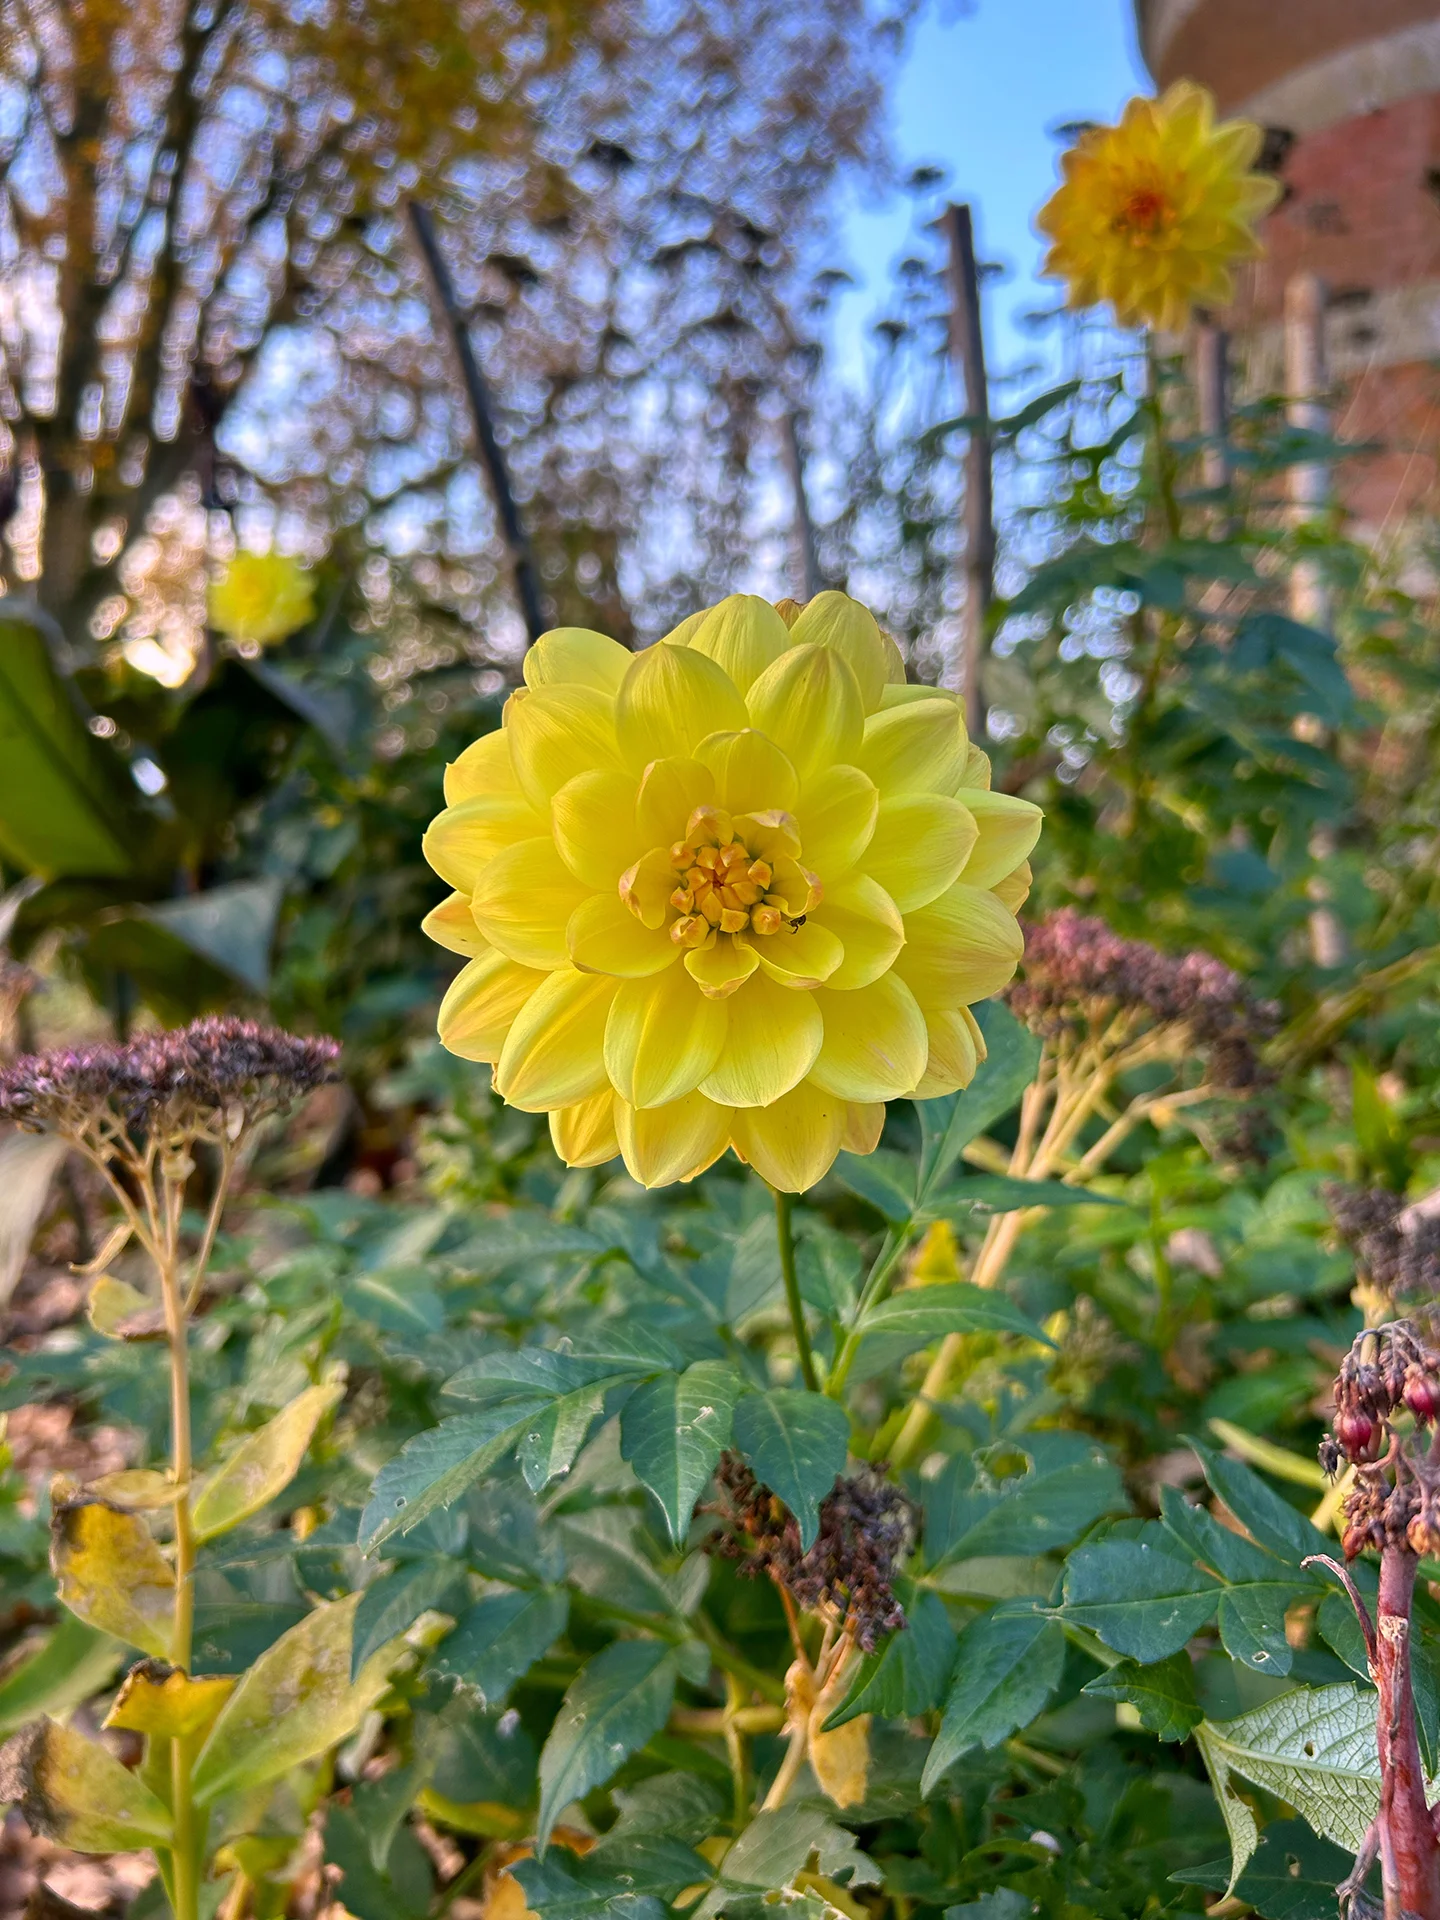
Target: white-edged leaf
1314, 1747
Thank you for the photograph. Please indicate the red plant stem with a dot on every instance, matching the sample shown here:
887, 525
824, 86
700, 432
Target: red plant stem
1410, 1851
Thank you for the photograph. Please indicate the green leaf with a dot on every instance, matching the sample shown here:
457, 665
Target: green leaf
401, 1889
796, 1443
500, 1639
1292, 1875
777, 1846
438, 1465
64, 807
984, 1194
631, 1878
550, 1440
1340, 1631
684, 1805
970, 1514
75, 1792
949, 1124
520, 1236
233, 927
263, 1464
1252, 1626
396, 1601
673, 1430
922, 1314
1239, 1820
613, 1706
71, 1665
1259, 1509
1007, 1664
391, 1301
1313, 1747
1140, 1602
1228, 1553
908, 1675
535, 1370
296, 1701
1163, 1695
886, 1180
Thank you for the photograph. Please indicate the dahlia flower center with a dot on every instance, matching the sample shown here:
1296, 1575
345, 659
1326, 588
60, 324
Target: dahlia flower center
1146, 214
727, 874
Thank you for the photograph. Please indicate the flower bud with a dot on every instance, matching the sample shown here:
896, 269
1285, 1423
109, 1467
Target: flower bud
1359, 1435
1422, 1396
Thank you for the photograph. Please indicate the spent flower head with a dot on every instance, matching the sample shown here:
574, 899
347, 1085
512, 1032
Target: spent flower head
1081, 981
1397, 1249
1391, 1373
1153, 213
738, 890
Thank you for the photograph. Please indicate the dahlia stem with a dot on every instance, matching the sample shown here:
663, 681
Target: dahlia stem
785, 1232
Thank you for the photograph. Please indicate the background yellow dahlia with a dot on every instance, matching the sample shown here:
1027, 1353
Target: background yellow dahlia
260, 598
738, 890
1153, 213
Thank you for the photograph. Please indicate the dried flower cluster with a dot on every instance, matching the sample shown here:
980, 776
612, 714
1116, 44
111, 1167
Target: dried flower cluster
867, 1527
1080, 978
1390, 1370
214, 1077
1400, 1261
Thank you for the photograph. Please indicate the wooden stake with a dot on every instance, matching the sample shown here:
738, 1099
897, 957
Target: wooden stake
794, 457
482, 417
967, 347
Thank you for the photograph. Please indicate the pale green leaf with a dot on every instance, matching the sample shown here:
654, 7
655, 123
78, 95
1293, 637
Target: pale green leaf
75, 1792
263, 1465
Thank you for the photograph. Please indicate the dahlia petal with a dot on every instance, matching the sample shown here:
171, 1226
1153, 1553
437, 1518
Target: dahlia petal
894, 661
673, 1142
904, 693
484, 767
837, 820
452, 925
721, 967
555, 733
523, 901
662, 1038
835, 620
809, 704
1014, 890
584, 1135
963, 947
793, 1142
957, 1047
646, 887
922, 842
799, 957
867, 921
771, 1044
743, 635
554, 1054
976, 774
481, 1004
576, 657
864, 1124
875, 1044
1008, 829
751, 773
605, 937
919, 747
593, 820
462, 841
669, 793
670, 699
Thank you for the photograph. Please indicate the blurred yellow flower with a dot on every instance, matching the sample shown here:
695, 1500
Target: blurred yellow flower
260, 598
1153, 213
738, 890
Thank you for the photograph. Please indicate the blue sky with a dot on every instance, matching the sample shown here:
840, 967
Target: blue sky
978, 92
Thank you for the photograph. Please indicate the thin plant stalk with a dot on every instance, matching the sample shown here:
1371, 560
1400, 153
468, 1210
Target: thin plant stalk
785, 1233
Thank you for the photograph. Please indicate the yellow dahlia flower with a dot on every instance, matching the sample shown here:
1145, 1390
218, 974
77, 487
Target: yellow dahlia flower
260, 598
1154, 212
738, 890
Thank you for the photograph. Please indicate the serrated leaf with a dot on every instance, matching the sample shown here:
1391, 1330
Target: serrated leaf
922, 1314
438, 1465
1252, 1626
673, 1430
1313, 1747
1142, 1603
777, 1847
885, 1179
612, 1707
684, 1805
1163, 1695
399, 1889
1234, 1558
910, 1673
984, 1194
629, 1878
75, 1792
1007, 1664
500, 1639
396, 1601
795, 1443
531, 1371
296, 1701
550, 1440
110, 1573
1273, 1522
949, 1124
1292, 1875
520, 1236
263, 1465
1340, 1631
969, 1517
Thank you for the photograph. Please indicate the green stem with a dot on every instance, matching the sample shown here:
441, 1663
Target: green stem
876, 1283
785, 1229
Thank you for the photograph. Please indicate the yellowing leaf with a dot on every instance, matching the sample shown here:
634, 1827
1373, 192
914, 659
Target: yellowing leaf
122, 1312
840, 1761
111, 1573
72, 1791
160, 1699
296, 1701
263, 1465
137, 1489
